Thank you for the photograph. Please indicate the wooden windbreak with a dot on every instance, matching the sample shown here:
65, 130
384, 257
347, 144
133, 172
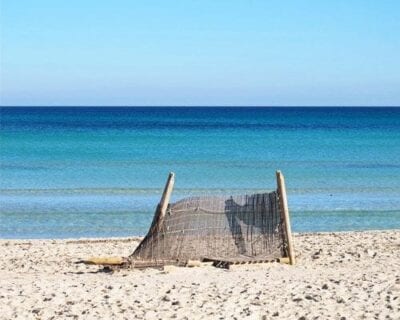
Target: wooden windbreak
242, 228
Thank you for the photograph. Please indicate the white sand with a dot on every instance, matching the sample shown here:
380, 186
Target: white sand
352, 275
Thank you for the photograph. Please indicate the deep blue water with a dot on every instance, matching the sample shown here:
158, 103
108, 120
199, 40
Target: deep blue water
82, 172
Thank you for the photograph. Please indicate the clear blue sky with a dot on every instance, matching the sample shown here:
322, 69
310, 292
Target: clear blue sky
204, 52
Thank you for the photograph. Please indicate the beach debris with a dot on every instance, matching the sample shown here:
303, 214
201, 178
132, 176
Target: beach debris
317, 254
340, 300
104, 260
370, 253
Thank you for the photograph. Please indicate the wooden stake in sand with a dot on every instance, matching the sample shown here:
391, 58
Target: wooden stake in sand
165, 199
285, 214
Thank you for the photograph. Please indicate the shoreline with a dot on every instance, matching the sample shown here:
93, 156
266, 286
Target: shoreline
341, 275
139, 238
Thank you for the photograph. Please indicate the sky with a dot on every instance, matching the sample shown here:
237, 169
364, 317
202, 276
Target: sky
204, 52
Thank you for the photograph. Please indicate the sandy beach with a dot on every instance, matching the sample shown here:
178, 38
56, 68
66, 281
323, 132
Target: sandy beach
352, 275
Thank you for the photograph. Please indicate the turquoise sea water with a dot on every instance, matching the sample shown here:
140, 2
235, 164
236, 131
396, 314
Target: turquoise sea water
83, 172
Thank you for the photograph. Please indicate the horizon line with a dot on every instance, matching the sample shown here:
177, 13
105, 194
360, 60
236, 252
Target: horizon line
198, 106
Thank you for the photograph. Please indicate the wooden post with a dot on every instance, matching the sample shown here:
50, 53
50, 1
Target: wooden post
163, 205
285, 214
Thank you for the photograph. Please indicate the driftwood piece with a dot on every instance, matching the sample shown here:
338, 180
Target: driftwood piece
105, 261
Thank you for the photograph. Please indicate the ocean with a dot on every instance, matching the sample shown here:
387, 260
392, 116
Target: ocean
98, 172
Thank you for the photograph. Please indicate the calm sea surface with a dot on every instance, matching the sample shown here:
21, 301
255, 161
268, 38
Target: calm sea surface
85, 172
